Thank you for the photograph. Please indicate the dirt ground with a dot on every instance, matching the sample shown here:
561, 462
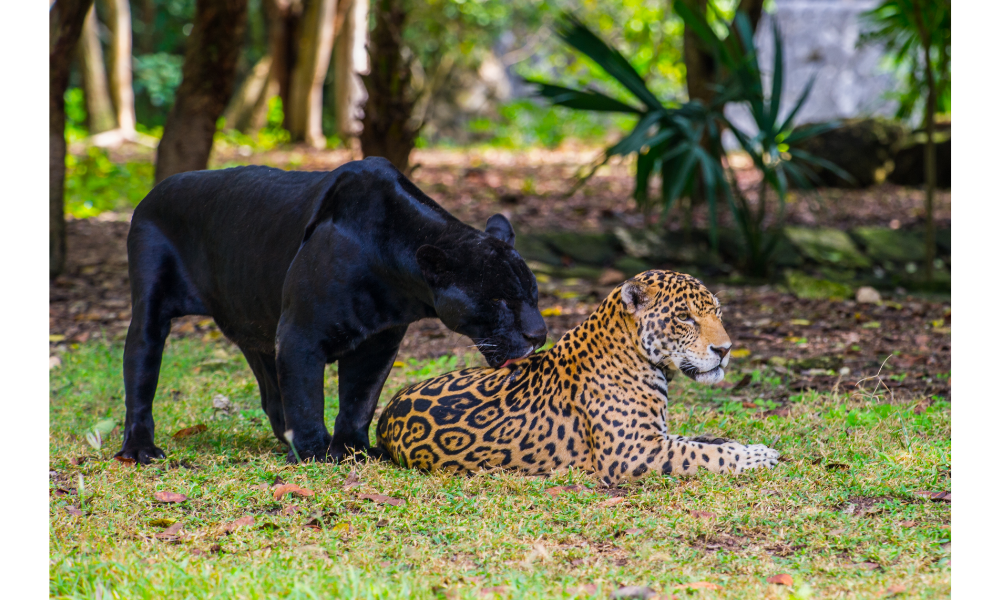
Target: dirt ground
811, 343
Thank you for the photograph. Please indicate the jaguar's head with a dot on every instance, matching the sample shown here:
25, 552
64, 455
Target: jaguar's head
678, 324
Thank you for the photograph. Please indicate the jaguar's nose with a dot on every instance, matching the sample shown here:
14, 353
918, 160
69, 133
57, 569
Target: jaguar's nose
722, 351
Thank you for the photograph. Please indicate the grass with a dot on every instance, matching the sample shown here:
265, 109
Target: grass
838, 514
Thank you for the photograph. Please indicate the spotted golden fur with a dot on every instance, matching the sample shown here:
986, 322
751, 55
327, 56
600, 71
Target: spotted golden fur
596, 400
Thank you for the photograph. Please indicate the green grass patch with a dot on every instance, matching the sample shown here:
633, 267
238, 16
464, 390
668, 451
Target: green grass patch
839, 513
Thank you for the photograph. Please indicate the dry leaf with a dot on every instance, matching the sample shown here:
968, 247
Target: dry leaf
706, 585
162, 522
169, 497
76, 512
380, 499
634, 531
749, 405
610, 502
939, 496
839, 466
907, 524
170, 532
260, 486
555, 491
291, 488
291, 509
343, 528
189, 431
896, 589
740, 353
868, 566
781, 579
352, 480
241, 522
702, 514
125, 462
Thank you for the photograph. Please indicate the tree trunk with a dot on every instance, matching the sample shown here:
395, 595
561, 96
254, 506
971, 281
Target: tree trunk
208, 77
387, 129
283, 17
66, 23
100, 114
305, 101
248, 107
120, 22
348, 61
699, 64
930, 166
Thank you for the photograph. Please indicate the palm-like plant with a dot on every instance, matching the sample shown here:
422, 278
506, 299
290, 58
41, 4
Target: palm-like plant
684, 143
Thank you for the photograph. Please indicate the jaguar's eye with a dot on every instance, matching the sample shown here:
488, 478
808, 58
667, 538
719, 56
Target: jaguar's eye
685, 318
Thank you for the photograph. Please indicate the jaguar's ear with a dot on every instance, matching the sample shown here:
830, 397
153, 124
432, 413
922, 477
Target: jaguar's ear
499, 227
634, 296
433, 263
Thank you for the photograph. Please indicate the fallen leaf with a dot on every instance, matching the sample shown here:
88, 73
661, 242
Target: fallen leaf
896, 589
868, 566
707, 585
343, 528
54, 362
702, 514
260, 486
740, 353
749, 405
634, 531
908, 524
782, 412
633, 591
553, 311
352, 480
76, 512
555, 491
838, 466
801, 322
170, 532
871, 325
76, 462
189, 431
162, 522
277, 481
610, 502
125, 462
291, 509
382, 523
939, 496
398, 364
742, 383
169, 497
291, 488
56, 338
380, 499
241, 522
781, 579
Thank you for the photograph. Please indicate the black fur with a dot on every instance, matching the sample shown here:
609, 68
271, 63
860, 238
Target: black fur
303, 269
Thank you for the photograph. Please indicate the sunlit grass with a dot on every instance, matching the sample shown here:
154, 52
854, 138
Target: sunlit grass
838, 514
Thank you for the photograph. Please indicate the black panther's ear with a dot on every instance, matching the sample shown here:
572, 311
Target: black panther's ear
433, 263
499, 227
634, 296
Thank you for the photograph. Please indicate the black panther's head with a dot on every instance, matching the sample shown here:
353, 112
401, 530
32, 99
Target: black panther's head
483, 289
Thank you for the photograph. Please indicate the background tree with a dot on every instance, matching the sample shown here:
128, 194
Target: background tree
304, 111
209, 73
701, 67
120, 80
100, 113
387, 127
66, 22
917, 33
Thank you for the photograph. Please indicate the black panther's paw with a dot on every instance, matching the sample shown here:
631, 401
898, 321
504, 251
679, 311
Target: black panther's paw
335, 453
141, 454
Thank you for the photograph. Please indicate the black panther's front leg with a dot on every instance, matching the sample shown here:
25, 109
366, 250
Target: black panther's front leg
300, 364
362, 374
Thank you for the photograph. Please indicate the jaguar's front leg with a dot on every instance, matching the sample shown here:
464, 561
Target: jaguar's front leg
684, 456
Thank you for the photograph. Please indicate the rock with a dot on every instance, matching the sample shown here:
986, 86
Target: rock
884, 244
534, 248
863, 147
595, 249
631, 266
827, 246
611, 277
809, 288
909, 160
867, 295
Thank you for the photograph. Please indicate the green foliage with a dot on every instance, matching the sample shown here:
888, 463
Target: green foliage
76, 115
683, 145
157, 76
95, 184
272, 135
524, 123
897, 24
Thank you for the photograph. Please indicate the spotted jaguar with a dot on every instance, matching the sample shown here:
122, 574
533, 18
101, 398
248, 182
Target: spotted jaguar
596, 400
